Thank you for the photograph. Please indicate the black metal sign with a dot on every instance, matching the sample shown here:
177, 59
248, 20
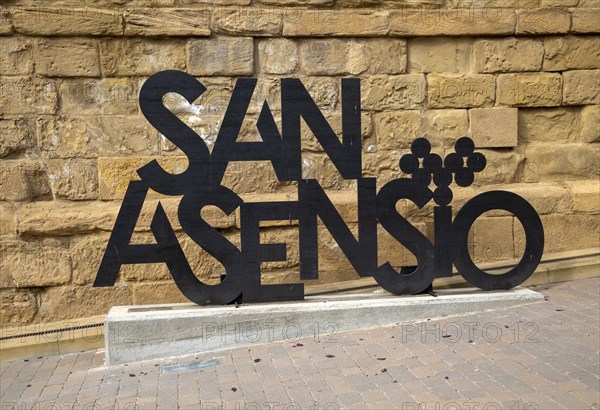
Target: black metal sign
200, 186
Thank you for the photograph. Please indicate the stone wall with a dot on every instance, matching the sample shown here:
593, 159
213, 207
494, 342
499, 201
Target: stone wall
521, 77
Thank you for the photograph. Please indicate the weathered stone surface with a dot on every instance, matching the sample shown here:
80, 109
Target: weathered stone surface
221, 56
65, 217
561, 161
114, 174
581, 87
334, 57
585, 194
545, 197
585, 20
203, 3
507, 55
74, 179
17, 56
502, 167
543, 21
92, 301
568, 232
492, 239
15, 136
571, 53
494, 127
128, 56
35, 264
87, 254
6, 26
333, 23
167, 22
398, 129
25, 95
548, 125
309, 141
558, 3
393, 92
17, 306
8, 223
439, 55
278, 56
93, 136
106, 96
247, 21
159, 292
296, 3
590, 118
22, 180
460, 91
448, 22
66, 21
529, 90
78, 58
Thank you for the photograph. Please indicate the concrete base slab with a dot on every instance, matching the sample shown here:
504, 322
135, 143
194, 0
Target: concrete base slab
134, 333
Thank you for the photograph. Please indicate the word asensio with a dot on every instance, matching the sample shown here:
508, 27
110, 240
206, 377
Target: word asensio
200, 186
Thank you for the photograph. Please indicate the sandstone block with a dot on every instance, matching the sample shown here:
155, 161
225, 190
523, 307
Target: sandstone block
278, 56
114, 174
6, 26
15, 136
334, 23
221, 56
507, 55
452, 22
494, 127
590, 118
83, 301
571, 53
502, 167
248, 22
439, 55
67, 21
548, 125
396, 130
295, 3
79, 58
309, 141
35, 264
561, 161
568, 232
543, 21
158, 292
334, 57
460, 91
558, 3
581, 87
585, 20
74, 179
65, 217
585, 194
93, 136
24, 95
17, 306
106, 96
203, 3
545, 197
17, 56
87, 254
7, 219
167, 22
530, 89
123, 57
22, 180
493, 239
393, 92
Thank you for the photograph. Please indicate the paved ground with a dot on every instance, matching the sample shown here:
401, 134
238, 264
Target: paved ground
540, 356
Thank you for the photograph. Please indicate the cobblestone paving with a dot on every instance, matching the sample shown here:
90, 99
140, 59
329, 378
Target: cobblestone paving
540, 356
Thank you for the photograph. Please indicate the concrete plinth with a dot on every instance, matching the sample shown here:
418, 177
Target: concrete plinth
134, 333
